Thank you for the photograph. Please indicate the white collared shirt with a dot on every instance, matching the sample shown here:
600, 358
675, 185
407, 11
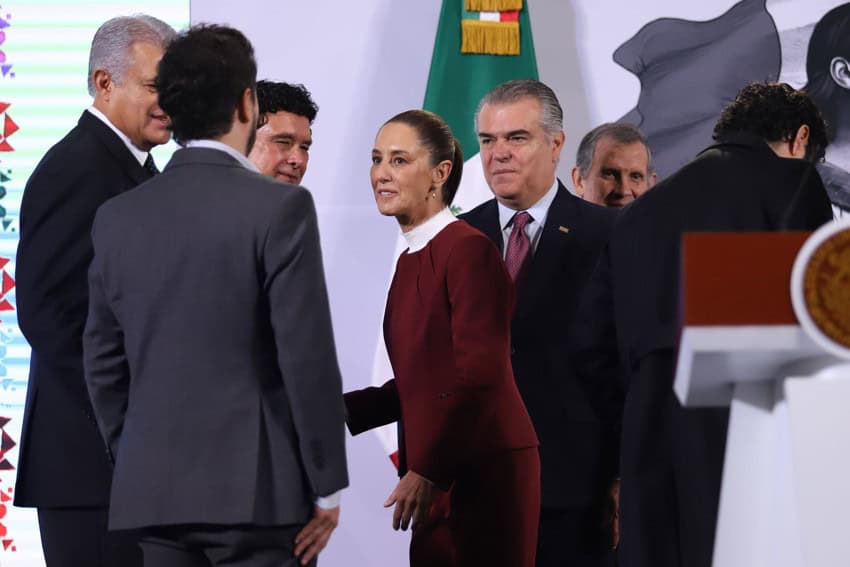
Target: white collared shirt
221, 146
418, 238
140, 155
533, 229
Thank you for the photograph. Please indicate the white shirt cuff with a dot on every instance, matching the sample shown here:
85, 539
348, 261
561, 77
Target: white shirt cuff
329, 502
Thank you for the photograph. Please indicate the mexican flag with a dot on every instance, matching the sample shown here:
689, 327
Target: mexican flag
479, 44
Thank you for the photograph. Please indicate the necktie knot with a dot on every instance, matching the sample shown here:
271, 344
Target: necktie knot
521, 219
150, 165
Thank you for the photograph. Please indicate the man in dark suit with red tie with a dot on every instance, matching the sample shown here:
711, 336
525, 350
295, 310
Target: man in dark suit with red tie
63, 468
550, 240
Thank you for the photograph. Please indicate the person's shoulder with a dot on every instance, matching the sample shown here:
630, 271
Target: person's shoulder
477, 212
274, 192
598, 213
77, 150
594, 221
77, 160
464, 239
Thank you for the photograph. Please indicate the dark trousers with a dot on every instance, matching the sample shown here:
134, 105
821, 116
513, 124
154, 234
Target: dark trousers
572, 538
671, 470
200, 545
78, 537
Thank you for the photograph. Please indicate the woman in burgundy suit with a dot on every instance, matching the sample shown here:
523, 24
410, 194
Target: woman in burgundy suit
464, 427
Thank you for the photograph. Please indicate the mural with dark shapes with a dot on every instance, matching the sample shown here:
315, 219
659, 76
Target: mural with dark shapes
828, 75
689, 71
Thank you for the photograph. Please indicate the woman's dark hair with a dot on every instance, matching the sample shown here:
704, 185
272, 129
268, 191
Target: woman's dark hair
201, 78
436, 137
830, 39
774, 112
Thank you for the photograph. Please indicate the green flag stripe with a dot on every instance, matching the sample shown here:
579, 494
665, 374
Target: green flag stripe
458, 81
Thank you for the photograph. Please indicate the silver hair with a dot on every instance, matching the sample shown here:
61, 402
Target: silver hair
110, 48
620, 133
551, 114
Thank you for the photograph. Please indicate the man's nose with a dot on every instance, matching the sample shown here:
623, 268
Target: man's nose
501, 150
297, 158
618, 185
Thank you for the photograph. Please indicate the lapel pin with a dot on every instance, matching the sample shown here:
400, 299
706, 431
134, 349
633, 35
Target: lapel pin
563, 229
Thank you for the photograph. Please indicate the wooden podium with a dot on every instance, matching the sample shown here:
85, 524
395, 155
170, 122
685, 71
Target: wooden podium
786, 480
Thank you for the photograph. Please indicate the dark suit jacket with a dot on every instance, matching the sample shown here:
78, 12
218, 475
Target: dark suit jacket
209, 352
63, 460
672, 457
568, 419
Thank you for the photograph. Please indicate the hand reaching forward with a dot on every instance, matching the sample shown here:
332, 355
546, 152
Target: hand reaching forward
315, 535
412, 499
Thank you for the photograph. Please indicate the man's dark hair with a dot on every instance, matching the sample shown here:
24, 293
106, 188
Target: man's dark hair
830, 39
283, 97
774, 112
201, 79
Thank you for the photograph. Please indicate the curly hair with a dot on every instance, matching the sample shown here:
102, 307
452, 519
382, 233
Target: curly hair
201, 78
284, 97
774, 111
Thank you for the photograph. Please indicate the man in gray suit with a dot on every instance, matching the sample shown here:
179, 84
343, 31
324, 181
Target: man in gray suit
209, 353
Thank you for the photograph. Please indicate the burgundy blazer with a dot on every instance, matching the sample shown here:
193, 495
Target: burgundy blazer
447, 329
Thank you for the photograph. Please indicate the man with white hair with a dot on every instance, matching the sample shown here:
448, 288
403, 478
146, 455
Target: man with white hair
64, 469
550, 241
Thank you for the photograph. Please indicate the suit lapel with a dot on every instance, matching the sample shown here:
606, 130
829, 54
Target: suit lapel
115, 146
490, 225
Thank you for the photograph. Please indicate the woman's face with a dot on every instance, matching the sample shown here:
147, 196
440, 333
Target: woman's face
402, 176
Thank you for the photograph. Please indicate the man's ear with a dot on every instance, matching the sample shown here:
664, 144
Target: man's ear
245, 108
557, 146
800, 142
103, 83
653, 179
578, 182
839, 69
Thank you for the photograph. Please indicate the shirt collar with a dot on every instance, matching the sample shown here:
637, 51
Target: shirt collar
221, 146
538, 210
419, 237
140, 155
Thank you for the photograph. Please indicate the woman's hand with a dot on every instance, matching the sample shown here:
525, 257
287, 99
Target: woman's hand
412, 499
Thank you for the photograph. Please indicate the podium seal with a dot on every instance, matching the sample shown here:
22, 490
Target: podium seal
820, 287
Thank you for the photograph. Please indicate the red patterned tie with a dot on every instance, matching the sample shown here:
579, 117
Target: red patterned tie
518, 253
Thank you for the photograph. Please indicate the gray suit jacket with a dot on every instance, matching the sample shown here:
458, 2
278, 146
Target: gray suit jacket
209, 353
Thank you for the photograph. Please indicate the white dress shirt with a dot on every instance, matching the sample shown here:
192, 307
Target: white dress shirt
216, 145
533, 229
140, 155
